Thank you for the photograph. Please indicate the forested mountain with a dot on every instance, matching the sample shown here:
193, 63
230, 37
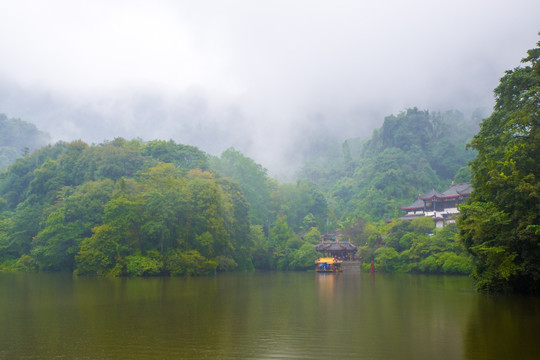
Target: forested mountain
411, 153
111, 208
128, 207
146, 208
18, 138
136, 208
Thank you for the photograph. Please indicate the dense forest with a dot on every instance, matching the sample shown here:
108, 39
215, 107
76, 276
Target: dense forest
411, 153
18, 138
129, 207
135, 208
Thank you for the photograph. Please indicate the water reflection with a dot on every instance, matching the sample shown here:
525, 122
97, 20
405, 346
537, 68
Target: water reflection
327, 284
259, 316
503, 326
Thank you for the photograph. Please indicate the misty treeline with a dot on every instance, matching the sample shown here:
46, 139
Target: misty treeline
499, 226
367, 181
413, 152
18, 138
150, 208
128, 207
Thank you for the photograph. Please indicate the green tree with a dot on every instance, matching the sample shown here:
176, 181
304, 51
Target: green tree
422, 225
189, 263
304, 205
137, 265
354, 230
261, 254
279, 234
102, 253
24, 226
304, 258
253, 180
386, 259
463, 175
499, 225
313, 236
184, 157
209, 211
165, 206
395, 231
79, 209
238, 226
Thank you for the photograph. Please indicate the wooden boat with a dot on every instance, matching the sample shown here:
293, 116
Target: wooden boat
328, 265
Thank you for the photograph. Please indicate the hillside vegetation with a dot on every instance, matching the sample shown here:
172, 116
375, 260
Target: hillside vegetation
501, 224
128, 207
413, 152
151, 208
135, 208
18, 138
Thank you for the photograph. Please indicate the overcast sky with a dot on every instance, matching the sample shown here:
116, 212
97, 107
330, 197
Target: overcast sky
257, 75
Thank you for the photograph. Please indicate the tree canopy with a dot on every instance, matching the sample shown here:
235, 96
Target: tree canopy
413, 152
501, 224
135, 208
128, 207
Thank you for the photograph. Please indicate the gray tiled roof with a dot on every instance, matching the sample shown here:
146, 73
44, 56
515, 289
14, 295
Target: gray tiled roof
418, 204
458, 190
431, 194
455, 190
335, 246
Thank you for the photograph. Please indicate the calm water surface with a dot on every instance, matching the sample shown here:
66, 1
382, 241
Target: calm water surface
262, 316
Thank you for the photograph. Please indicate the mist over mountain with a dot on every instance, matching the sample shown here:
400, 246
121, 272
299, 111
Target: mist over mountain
191, 117
270, 79
196, 118
18, 138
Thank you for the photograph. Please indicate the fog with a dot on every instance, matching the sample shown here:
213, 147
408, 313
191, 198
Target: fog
265, 77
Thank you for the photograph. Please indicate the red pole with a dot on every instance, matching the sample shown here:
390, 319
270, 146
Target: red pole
372, 267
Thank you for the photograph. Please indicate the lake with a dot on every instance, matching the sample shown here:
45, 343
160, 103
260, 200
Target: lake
262, 316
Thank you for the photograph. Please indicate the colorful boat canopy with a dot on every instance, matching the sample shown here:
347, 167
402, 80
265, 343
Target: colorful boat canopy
327, 261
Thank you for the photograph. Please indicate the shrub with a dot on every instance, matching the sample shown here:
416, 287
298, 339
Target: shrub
422, 225
386, 259
294, 243
304, 258
366, 253
446, 263
189, 263
456, 264
225, 263
26, 263
313, 236
143, 266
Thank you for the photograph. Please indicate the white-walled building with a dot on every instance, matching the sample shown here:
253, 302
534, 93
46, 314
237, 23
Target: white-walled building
442, 207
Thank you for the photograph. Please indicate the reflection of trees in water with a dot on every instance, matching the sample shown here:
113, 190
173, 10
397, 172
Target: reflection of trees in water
504, 327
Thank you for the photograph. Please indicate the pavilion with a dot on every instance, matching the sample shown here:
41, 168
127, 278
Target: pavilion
442, 207
342, 250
